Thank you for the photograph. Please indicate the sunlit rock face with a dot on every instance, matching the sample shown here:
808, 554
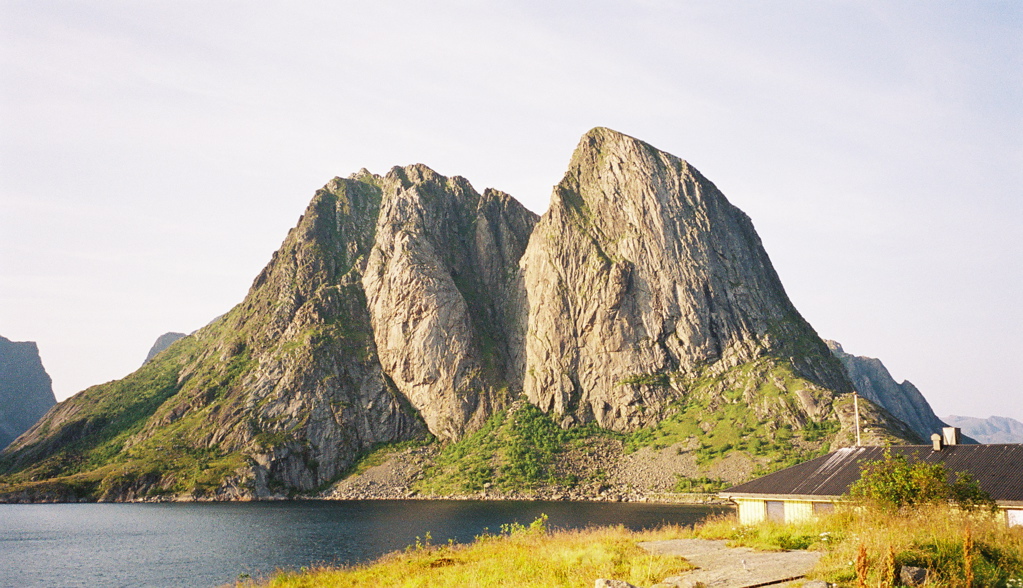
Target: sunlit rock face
641, 268
445, 295
408, 304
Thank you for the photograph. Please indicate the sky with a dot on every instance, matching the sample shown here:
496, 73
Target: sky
153, 155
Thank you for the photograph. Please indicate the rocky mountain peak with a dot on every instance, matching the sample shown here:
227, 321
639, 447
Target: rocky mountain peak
162, 342
409, 304
902, 400
26, 392
642, 268
443, 290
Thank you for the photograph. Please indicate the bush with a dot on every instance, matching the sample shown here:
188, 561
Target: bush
893, 483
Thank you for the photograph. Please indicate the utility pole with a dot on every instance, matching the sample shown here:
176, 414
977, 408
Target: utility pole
856, 409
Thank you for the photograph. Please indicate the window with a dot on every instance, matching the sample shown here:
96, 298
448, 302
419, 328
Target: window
1014, 518
775, 510
821, 508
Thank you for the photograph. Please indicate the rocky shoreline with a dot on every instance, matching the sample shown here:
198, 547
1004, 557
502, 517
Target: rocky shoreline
639, 477
646, 475
540, 496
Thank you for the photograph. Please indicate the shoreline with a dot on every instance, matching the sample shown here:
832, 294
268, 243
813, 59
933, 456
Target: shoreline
644, 476
681, 500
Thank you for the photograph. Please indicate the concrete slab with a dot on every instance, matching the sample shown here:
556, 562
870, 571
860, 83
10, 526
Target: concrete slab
721, 566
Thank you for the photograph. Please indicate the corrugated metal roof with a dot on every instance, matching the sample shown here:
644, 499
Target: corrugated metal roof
998, 469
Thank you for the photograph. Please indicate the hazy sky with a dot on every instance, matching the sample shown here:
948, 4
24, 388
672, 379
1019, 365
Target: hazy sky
154, 155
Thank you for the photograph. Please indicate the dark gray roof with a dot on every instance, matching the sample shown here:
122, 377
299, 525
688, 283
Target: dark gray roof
998, 469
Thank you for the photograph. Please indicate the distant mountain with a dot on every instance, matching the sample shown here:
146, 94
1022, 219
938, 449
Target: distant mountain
26, 392
410, 307
873, 382
993, 429
163, 342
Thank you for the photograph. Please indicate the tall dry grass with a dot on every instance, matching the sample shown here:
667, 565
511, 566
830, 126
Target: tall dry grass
867, 547
959, 548
862, 547
525, 557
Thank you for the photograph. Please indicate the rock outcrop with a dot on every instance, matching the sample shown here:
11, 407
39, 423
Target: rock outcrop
410, 306
444, 292
26, 392
640, 272
994, 429
163, 342
873, 382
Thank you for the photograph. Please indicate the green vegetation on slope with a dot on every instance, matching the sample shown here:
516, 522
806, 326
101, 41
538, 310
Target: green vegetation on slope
751, 409
515, 450
107, 416
127, 434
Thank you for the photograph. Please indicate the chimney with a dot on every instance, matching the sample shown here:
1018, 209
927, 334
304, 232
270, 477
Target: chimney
951, 435
936, 441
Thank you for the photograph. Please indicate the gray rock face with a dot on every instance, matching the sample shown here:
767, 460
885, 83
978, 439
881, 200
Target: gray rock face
873, 382
163, 342
316, 394
26, 392
388, 312
443, 291
641, 267
408, 304
994, 429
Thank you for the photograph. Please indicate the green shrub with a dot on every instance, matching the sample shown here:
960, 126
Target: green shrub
894, 482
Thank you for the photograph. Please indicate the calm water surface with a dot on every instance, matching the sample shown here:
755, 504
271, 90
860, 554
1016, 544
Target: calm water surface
202, 545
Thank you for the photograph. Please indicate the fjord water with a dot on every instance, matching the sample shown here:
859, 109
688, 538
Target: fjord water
209, 544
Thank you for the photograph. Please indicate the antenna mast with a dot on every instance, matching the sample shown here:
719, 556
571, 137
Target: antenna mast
856, 409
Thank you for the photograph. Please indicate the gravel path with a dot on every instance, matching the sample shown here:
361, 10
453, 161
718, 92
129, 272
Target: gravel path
720, 566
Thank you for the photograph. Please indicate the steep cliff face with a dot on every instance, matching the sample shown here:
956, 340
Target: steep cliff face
408, 305
873, 382
279, 394
442, 292
284, 391
310, 392
642, 275
25, 389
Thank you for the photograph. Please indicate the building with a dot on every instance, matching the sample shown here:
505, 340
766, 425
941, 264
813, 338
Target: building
813, 487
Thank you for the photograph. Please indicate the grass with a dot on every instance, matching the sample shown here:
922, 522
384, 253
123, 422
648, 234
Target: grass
751, 409
931, 536
515, 450
722, 414
520, 557
935, 537
380, 453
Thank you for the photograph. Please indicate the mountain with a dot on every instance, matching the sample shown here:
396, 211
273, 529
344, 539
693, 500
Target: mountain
641, 269
640, 309
163, 342
25, 389
993, 429
903, 401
